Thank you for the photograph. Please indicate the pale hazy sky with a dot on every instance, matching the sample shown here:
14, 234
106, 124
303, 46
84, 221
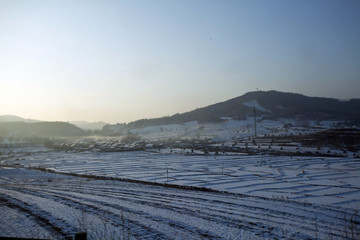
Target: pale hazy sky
119, 61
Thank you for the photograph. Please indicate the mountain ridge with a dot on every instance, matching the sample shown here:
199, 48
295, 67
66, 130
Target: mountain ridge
85, 125
269, 105
278, 104
14, 118
40, 129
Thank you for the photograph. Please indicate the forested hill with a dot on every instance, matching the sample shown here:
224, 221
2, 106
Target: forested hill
40, 129
270, 104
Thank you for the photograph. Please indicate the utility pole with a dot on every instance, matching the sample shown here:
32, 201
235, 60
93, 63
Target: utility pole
255, 122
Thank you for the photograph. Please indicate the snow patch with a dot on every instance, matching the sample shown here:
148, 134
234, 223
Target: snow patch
256, 105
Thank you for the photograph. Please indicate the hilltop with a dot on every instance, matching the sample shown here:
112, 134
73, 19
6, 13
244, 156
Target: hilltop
269, 105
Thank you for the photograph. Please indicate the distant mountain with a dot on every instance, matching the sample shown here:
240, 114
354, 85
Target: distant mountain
269, 104
13, 118
89, 125
81, 124
40, 129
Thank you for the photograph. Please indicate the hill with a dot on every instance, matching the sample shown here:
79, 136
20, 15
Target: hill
40, 129
13, 118
80, 124
269, 104
89, 125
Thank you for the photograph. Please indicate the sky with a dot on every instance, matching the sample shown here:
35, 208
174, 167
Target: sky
119, 61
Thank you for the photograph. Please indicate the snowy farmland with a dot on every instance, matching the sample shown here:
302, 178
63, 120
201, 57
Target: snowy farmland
255, 197
327, 180
58, 206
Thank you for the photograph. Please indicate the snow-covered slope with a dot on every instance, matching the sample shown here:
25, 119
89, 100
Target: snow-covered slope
272, 104
256, 105
226, 130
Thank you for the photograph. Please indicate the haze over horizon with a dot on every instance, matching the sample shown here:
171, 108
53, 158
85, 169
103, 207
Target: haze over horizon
119, 61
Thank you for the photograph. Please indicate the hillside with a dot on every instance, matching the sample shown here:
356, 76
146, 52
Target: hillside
40, 129
88, 125
13, 118
85, 125
270, 104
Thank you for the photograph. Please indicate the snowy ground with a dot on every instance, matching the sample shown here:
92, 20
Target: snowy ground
267, 197
227, 130
324, 180
59, 206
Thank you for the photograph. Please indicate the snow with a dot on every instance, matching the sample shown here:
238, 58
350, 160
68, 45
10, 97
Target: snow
117, 209
260, 175
245, 197
16, 223
256, 105
227, 130
256, 196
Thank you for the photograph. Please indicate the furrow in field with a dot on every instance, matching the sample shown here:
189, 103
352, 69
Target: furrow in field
252, 208
56, 225
217, 211
76, 213
134, 214
252, 202
251, 215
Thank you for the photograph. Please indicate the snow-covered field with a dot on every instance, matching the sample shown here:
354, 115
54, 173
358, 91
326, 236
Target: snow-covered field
327, 180
57, 206
266, 197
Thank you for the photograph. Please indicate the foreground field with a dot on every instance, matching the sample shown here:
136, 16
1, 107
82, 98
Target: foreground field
169, 194
321, 180
59, 206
